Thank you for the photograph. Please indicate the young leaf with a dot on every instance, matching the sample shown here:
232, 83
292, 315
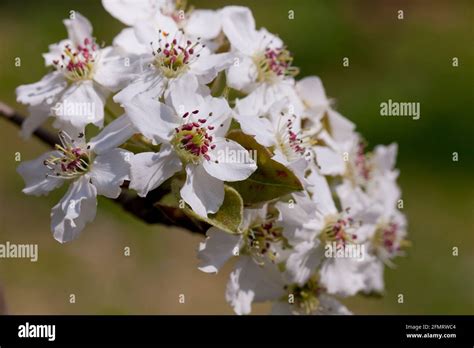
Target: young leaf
271, 179
228, 218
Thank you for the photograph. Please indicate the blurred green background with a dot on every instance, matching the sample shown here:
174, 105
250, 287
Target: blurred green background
402, 60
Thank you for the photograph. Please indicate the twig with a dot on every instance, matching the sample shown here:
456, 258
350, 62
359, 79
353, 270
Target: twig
144, 209
42, 134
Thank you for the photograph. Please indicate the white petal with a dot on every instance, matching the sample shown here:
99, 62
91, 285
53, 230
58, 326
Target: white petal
208, 65
353, 197
80, 105
322, 195
38, 114
253, 216
363, 207
266, 39
260, 127
113, 135
342, 276
201, 191
128, 42
239, 27
164, 22
311, 91
149, 170
147, 85
250, 282
55, 51
74, 211
153, 119
234, 162
76, 133
373, 276
113, 70
298, 166
131, 12
48, 87
330, 162
183, 94
148, 31
262, 98
78, 28
365, 232
385, 157
218, 247
303, 262
221, 115
204, 23
341, 128
242, 74
292, 218
238, 296
34, 174
385, 191
109, 170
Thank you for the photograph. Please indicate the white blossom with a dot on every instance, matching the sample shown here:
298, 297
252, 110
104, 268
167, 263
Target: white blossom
91, 169
191, 129
84, 75
169, 15
174, 71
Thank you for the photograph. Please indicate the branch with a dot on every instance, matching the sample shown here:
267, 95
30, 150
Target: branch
15, 118
144, 209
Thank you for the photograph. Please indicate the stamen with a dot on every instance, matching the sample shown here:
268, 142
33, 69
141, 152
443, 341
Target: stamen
72, 161
260, 240
274, 63
192, 141
339, 229
291, 143
78, 63
173, 56
388, 241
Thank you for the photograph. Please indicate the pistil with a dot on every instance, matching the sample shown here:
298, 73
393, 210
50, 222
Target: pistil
78, 63
173, 56
192, 141
72, 160
274, 63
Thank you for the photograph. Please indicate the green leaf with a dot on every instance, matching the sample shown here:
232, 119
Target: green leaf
218, 86
228, 218
271, 179
230, 214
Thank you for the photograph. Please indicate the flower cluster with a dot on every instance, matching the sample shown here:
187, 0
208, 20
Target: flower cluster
311, 217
